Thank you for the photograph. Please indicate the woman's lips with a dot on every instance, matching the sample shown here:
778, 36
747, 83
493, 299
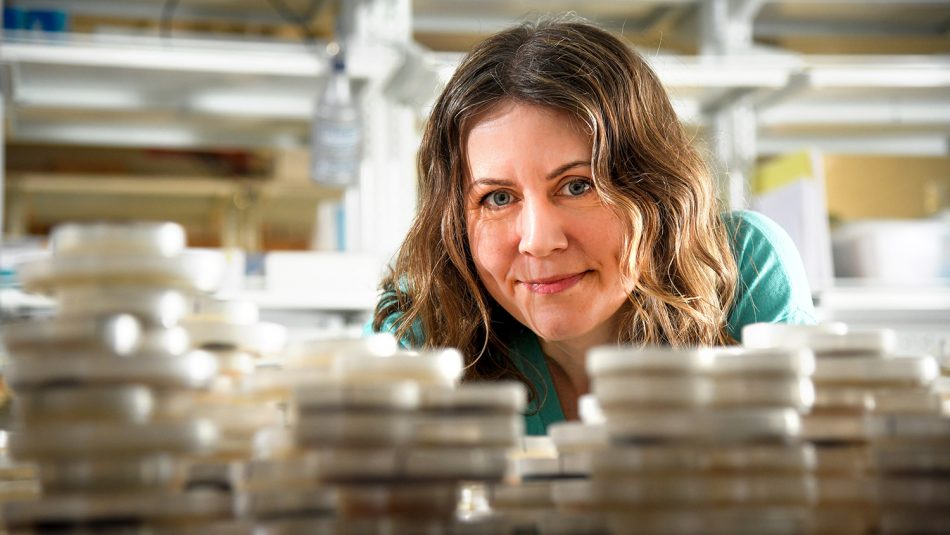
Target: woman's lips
553, 285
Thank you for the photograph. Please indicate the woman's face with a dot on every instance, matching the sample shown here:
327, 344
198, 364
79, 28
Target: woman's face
546, 247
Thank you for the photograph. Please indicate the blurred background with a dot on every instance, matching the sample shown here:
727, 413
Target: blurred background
833, 117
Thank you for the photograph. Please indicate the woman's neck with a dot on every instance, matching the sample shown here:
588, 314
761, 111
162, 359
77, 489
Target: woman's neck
567, 361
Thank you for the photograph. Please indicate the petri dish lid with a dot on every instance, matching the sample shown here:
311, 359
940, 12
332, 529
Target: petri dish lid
619, 393
608, 360
851, 459
536, 467
503, 396
525, 495
192, 270
862, 343
785, 335
436, 367
118, 506
470, 464
909, 427
763, 361
116, 334
154, 472
833, 427
153, 305
142, 238
631, 460
589, 409
347, 429
577, 436
685, 490
707, 426
910, 457
107, 439
920, 370
339, 465
843, 397
916, 491
195, 369
736, 520
263, 338
162, 341
231, 311
275, 503
321, 352
128, 403
397, 396
906, 400
472, 430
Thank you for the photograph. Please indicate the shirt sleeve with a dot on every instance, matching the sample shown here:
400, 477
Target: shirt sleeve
772, 285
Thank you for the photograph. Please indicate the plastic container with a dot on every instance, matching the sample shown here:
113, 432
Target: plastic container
705, 426
763, 362
384, 397
617, 393
911, 370
195, 369
107, 440
153, 305
191, 271
111, 239
155, 473
123, 403
507, 397
438, 367
613, 360
784, 335
684, 490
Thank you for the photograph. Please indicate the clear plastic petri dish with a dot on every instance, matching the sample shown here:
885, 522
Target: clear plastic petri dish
122, 403
897, 370
617, 393
352, 429
909, 427
833, 427
191, 271
66, 441
854, 343
842, 459
525, 495
262, 338
627, 360
786, 335
194, 369
143, 238
436, 367
469, 464
409, 499
705, 426
629, 461
152, 305
772, 520
54, 337
278, 503
909, 457
569, 437
155, 473
467, 430
505, 397
121, 508
744, 361
321, 352
685, 490
843, 489
915, 491
336, 466
381, 397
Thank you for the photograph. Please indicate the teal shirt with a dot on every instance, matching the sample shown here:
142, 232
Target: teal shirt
772, 287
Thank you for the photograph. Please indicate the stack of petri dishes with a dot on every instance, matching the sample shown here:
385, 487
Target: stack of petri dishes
857, 375
232, 333
699, 440
95, 385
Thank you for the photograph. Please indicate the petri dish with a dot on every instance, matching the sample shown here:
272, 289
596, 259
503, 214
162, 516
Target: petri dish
436, 367
142, 238
785, 335
706, 426
155, 473
744, 361
122, 403
66, 441
629, 360
152, 305
505, 397
897, 370
471, 430
54, 337
262, 338
381, 397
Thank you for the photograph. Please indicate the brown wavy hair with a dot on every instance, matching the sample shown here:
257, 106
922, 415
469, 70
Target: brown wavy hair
644, 168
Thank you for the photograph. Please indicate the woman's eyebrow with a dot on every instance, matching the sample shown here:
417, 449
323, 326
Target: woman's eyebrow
491, 182
561, 169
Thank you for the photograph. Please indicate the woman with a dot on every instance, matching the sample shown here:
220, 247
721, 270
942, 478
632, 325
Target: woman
562, 206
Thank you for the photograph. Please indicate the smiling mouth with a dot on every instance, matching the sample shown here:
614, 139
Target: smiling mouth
554, 285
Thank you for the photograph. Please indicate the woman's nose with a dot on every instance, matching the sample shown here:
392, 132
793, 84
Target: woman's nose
542, 230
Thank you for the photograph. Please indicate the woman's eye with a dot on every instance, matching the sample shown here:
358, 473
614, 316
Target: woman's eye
498, 198
577, 187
